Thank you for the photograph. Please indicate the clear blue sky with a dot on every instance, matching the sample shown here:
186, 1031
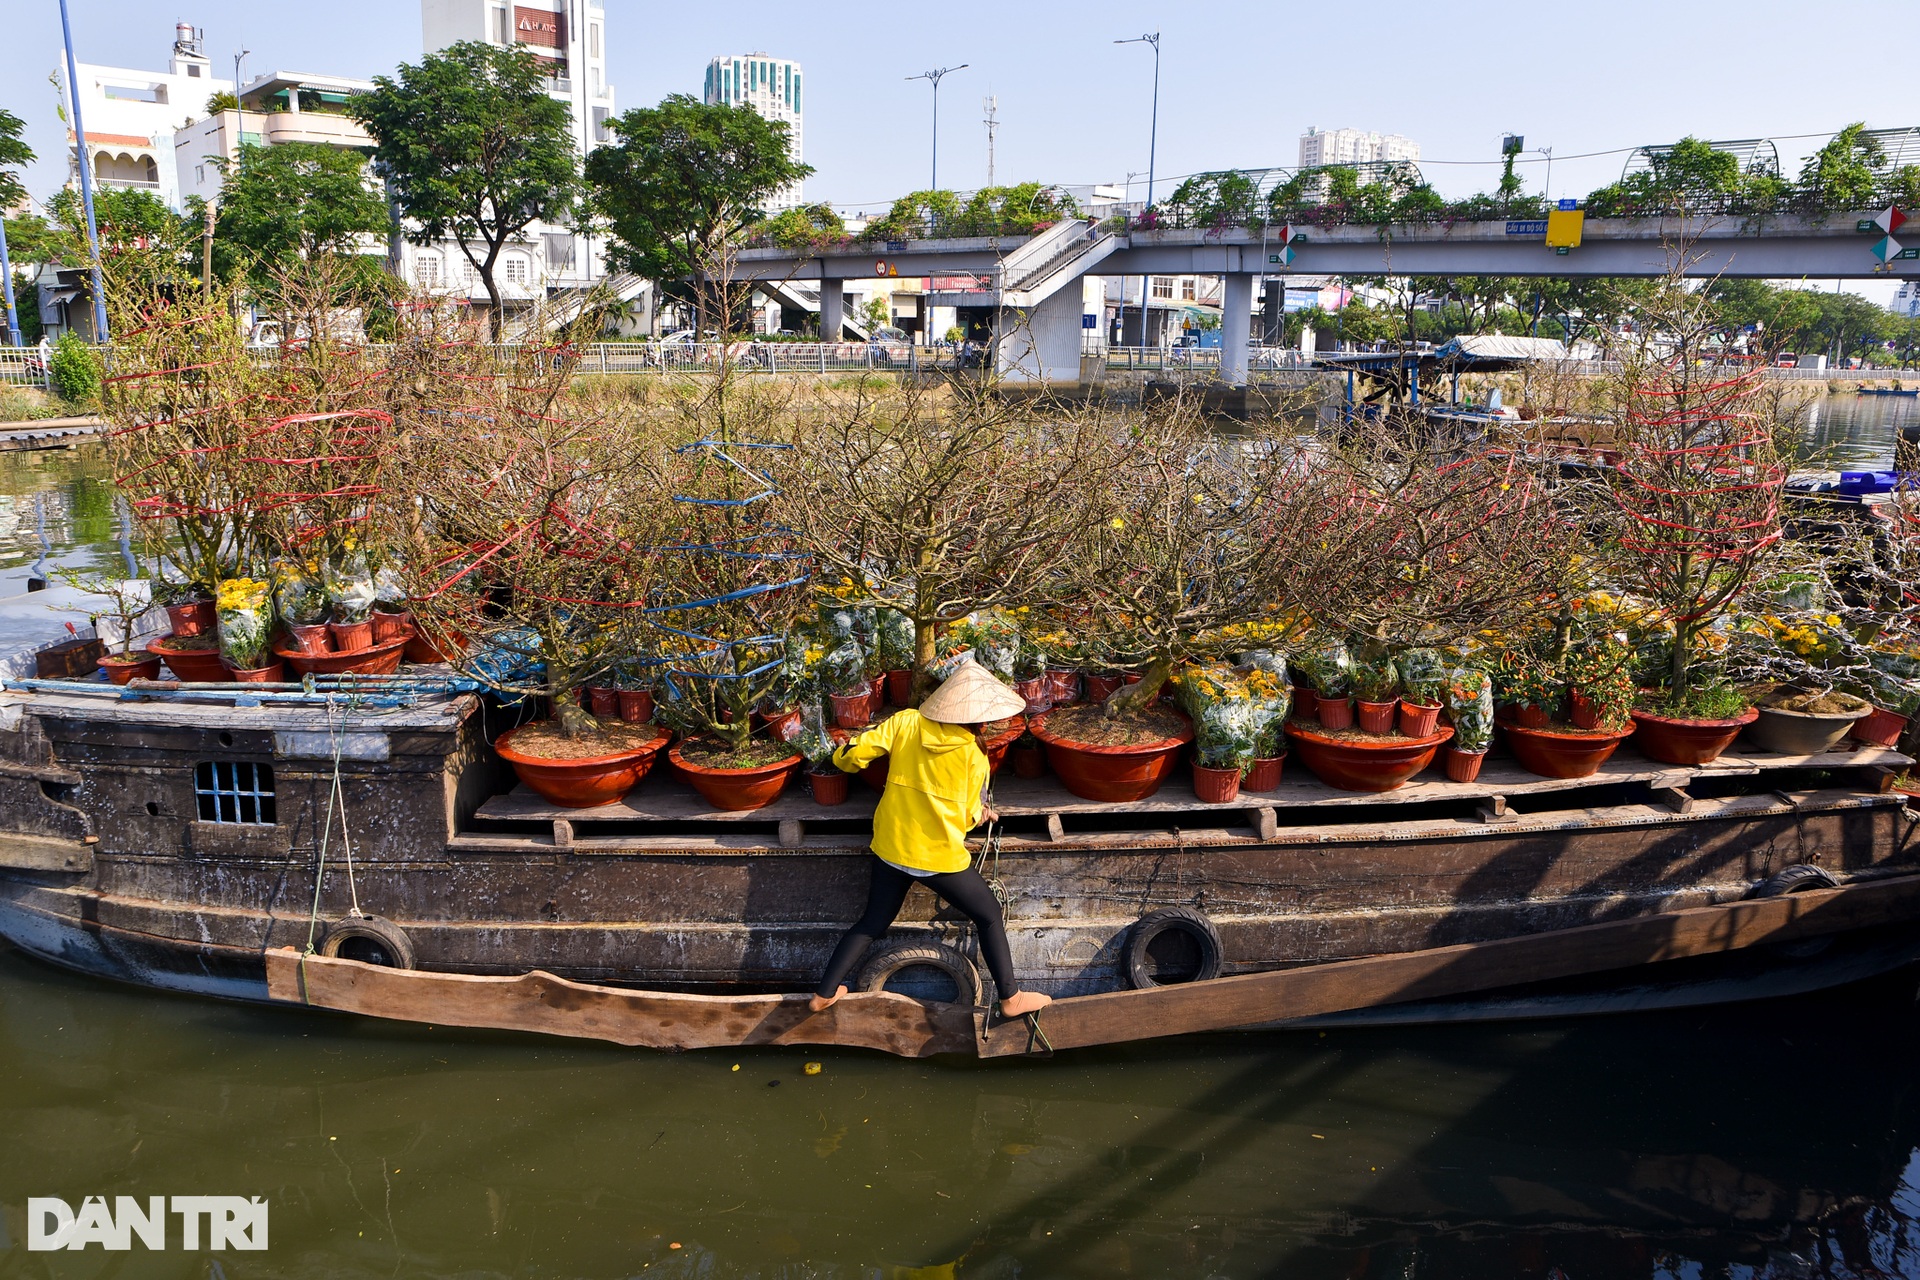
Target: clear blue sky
1240, 79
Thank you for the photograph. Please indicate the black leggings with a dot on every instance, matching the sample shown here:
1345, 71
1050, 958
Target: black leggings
964, 890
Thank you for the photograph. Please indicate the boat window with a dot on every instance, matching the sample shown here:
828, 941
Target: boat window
232, 791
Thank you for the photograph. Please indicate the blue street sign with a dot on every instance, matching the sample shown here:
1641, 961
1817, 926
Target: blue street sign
1528, 228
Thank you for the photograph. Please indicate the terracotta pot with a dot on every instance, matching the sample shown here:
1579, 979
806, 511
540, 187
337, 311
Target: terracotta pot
391, 626
273, 673
582, 784
1462, 766
1361, 765
603, 701
351, 637
1375, 717
134, 666
877, 692
997, 743
1672, 740
444, 648
900, 688
380, 660
736, 790
1554, 754
1880, 727
783, 725
1583, 711
1215, 786
1335, 713
1528, 716
1264, 775
1030, 761
636, 705
1133, 677
829, 785
1037, 693
1417, 721
196, 618
309, 637
1801, 733
1113, 774
196, 666
1306, 702
852, 710
1063, 686
1098, 689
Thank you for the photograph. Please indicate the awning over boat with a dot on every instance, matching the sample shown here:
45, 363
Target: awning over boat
1484, 353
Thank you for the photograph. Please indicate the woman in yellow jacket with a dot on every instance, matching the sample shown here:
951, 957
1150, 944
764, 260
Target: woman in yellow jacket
936, 780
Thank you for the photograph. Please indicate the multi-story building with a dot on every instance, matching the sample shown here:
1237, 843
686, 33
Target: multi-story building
1906, 301
283, 106
569, 35
131, 116
1353, 146
771, 86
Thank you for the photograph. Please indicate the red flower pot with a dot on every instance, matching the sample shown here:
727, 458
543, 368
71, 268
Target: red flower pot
272, 673
391, 626
1099, 688
1063, 686
1880, 728
1583, 711
1133, 677
1528, 716
1462, 766
829, 785
1215, 786
1362, 765
380, 660
133, 666
441, 648
997, 740
196, 618
1030, 761
877, 692
309, 637
1306, 702
736, 790
584, 783
900, 688
1375, 717
1037, 693
1553, 754
1114, 774
636, 705
351, 637
1417, 721
852, 710
603, 702
1264, 775
783, 725
1672, 740
196, 666
1335, 713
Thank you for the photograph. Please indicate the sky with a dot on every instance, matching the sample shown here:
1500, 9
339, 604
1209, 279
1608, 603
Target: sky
1240, 80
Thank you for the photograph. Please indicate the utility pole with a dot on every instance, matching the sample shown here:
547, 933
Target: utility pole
86, 181
1153, 143
206, 254
933, 77
993, 124
6, 283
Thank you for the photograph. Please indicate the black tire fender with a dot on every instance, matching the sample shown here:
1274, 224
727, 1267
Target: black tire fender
1138, 962
1798, 878
370, 940
890, 960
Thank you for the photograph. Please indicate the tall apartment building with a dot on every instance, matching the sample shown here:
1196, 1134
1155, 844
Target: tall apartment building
569, 35
771, 86
1906, 302
1353, 146
131, 116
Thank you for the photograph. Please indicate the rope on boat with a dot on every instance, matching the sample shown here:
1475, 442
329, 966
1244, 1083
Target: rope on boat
335, 800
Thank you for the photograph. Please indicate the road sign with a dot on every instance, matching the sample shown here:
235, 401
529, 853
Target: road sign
1886, 249
1909, 254
1891, 220
1283, 258
1290, 234
1530, 227
1568, 206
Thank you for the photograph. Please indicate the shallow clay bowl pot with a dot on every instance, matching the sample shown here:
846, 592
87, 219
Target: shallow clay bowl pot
736, 790
195, 666
1360, 765
1553, 753
380, 660
1117, 775
1802, 733
585, 783
1671, 740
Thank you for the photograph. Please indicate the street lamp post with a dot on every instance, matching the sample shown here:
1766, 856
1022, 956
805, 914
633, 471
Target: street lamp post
86, 181
6, 283
1153, 143
933, 78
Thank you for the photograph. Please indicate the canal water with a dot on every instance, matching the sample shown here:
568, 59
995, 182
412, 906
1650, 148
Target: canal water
1772, 1140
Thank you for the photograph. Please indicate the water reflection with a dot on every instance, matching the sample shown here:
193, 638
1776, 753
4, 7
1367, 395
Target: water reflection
1858, 432
1769, 1140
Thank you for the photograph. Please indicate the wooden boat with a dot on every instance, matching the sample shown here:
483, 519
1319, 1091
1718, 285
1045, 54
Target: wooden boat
1889, 391
381, 861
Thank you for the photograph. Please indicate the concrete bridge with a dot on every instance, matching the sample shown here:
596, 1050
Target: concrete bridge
1038, 317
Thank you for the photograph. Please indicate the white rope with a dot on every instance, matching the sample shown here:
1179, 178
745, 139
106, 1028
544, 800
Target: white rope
336, 800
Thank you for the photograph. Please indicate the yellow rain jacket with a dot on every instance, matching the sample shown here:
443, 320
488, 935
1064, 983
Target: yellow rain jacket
935, 773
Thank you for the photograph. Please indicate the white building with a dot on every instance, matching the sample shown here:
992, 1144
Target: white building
1906, 302
771, 86
569, 35
130, 117
283, 106
1353, 146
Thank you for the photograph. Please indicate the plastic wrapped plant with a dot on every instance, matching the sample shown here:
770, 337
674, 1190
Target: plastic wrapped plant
244, 607
1470, 707
299, 591
350, 588
1423, 677
1327, 668
1374, 677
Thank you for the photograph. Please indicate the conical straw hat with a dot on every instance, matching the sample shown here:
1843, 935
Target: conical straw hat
972, 695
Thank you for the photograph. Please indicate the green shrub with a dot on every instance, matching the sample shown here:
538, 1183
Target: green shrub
75, 374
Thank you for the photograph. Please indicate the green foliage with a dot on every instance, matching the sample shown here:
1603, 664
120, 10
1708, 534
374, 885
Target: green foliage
1845, 173
297, 200
74, 372
1018, 210
1713, 701
1423, 677
809, 226
877, 314
915, 216
31, 238
14, 154
685, 179
26, 305
1374, 677
222, 102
